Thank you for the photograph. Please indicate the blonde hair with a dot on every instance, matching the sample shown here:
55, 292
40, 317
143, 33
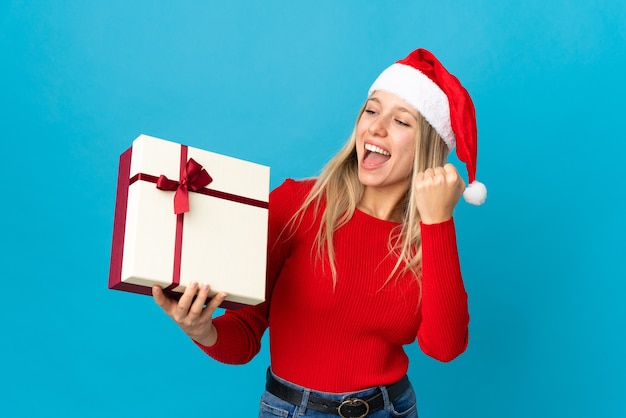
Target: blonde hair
339, 186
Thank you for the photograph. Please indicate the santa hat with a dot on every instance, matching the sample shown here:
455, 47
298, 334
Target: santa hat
423, 82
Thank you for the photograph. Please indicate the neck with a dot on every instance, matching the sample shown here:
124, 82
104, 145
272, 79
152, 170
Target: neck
381, 204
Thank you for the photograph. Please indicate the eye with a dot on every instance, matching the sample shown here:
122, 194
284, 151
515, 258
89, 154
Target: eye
402, 123
369, 111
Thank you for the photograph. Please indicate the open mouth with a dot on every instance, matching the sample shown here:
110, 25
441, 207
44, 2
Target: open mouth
375, 155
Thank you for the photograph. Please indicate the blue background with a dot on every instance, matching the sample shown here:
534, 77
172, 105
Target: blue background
279, 83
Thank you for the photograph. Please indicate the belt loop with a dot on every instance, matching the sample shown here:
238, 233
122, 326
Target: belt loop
305, 402
385, 393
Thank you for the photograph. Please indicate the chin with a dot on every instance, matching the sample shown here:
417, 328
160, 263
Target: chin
370, 182
364, 180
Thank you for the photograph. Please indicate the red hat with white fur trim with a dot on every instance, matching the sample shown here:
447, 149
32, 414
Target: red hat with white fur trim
423, 82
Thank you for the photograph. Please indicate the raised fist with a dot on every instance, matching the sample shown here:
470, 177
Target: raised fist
437, 191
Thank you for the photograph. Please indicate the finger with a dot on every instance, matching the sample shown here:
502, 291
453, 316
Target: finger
439, 172
215, 302
160, 298
184, 303
453, 176
450, 168
450, 173
198, 304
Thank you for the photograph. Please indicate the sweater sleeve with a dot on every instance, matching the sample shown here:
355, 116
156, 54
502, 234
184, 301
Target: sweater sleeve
443, 333
239, 332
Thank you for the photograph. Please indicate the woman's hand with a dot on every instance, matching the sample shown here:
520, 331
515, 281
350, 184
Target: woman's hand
437, 191
191, 315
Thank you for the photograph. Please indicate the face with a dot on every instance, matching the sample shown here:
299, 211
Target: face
385, 142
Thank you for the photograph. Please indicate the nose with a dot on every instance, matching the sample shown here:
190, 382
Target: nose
379, 126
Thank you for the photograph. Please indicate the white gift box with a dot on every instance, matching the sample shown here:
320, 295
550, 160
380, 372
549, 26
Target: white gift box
221, 240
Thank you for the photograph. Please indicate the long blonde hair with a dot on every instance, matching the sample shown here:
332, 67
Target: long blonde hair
339, 186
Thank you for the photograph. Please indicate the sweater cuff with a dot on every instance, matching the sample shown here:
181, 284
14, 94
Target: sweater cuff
439, 247
441, 229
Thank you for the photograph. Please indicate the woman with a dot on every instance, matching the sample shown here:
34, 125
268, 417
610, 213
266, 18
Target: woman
361, 261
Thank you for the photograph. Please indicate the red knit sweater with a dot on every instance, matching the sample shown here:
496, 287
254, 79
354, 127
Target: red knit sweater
351, 337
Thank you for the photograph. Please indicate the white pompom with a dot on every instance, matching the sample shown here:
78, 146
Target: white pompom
475, 193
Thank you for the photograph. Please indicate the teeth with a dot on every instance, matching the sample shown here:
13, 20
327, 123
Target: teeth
376, 149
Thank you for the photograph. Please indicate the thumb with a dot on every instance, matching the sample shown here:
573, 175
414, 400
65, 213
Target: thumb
158, 296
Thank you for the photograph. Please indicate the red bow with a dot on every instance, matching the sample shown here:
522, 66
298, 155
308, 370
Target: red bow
193, 177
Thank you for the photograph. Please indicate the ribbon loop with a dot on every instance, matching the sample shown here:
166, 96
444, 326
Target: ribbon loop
193, 177
163, 183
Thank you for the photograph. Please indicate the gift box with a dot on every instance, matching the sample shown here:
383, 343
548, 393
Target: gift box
184, 214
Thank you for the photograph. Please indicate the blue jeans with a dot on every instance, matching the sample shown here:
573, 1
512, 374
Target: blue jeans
404, 405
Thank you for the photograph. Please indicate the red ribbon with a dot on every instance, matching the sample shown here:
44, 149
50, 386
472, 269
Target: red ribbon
192, 177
